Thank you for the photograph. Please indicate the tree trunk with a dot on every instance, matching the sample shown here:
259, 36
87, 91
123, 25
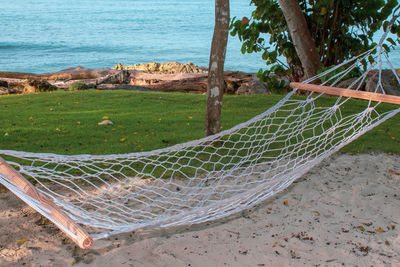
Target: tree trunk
215, 84
301, 37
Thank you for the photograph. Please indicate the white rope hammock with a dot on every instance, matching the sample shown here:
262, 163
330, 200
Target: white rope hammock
205, 179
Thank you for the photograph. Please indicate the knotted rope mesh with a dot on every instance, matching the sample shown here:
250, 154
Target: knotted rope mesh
216, 176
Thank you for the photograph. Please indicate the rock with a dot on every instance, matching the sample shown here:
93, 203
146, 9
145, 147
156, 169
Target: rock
3, 83
145, 67
119, 78
79, 85
24, 88
41, 86
244, 84
163, 68
371, 83
252, 87
174, 77
119, 66
348, 82
31, 86
388, 80
152, 67
174, 67
230, 87
4, 90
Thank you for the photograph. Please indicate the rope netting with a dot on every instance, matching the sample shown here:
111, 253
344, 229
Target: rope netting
215, 176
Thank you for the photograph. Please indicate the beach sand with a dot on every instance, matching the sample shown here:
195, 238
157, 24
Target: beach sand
345, 211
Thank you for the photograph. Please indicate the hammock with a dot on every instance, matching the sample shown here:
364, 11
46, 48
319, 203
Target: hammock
94, 196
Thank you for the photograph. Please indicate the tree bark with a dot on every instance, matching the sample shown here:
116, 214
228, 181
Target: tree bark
301, 37
215, 83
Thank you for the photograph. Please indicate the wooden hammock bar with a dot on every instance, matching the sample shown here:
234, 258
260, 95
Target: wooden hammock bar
53, 212
347, 93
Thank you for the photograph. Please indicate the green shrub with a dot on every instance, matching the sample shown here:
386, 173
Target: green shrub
78, 86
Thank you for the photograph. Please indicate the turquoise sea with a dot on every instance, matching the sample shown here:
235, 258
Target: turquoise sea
49, 35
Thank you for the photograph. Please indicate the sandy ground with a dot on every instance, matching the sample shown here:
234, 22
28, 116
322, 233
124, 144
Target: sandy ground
345, 211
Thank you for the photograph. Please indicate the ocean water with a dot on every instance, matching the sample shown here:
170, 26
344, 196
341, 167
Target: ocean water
50, 35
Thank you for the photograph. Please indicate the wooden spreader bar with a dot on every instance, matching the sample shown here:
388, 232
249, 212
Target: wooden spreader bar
347, 93
53, 212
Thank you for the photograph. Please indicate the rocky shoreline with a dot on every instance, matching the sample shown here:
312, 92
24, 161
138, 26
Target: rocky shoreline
167, 77
164, 77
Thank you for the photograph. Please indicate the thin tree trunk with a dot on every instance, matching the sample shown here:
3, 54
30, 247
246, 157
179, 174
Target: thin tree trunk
301, 37
215, 84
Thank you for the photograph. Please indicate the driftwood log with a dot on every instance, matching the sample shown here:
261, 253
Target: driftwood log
108, 79
77, 73
127, 79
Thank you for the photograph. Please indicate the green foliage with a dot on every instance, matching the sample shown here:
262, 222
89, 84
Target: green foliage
270, 78
41, 86
46, 87
341, 29
78, 86
353, 73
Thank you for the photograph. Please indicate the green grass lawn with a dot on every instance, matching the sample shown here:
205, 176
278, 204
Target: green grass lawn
66, 122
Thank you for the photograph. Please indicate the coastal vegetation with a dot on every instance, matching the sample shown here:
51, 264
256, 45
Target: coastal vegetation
337, 30
67, 122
